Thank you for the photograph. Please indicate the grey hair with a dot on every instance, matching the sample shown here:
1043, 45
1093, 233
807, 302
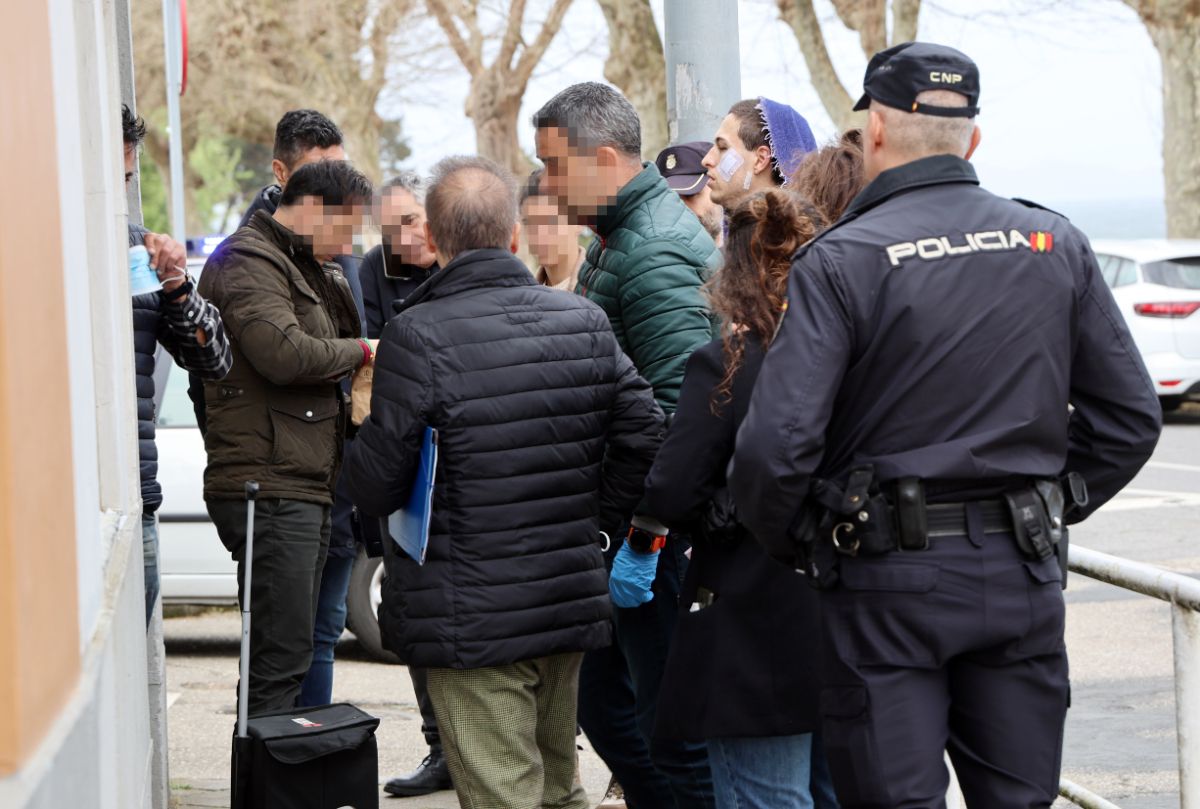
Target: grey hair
917, 135
409, 181
471, 205
594, 115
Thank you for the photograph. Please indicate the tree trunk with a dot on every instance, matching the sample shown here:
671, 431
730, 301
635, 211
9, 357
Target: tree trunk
636, 65
1177, 38
361, 131
868, 18
494, 109
904, 20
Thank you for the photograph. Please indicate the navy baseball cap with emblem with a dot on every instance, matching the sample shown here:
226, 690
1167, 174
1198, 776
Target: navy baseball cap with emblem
897, 75
680, 165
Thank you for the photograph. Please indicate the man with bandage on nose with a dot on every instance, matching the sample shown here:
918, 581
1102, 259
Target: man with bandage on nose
759, 144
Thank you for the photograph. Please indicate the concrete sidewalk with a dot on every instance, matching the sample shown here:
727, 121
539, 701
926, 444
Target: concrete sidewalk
202, 655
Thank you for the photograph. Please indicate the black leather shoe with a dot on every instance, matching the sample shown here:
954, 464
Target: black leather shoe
432, 775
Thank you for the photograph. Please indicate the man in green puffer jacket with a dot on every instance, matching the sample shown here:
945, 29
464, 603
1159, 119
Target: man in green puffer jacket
645, 270
651, 255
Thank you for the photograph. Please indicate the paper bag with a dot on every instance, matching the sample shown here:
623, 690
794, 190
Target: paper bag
360, 389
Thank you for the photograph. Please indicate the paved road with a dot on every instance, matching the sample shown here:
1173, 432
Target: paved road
1120, 737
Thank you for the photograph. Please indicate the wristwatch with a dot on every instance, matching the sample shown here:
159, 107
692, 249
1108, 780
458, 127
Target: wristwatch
643, 541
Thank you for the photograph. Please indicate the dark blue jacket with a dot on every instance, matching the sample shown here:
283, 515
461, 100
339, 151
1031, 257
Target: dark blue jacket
380, 292
940, 331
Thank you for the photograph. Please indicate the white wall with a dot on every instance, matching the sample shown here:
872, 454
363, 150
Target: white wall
99, 751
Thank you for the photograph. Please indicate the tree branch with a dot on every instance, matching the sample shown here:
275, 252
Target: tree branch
468, 55
799, 14
534, 52
512, 35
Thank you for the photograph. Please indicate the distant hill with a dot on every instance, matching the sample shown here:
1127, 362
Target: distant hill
1116, 219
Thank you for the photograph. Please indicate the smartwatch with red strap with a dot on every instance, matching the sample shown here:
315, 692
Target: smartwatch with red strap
643, 541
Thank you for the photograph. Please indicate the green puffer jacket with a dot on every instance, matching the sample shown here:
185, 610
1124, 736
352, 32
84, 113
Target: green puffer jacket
278, 417
645, 270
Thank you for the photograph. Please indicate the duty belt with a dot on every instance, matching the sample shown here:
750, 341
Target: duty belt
855, 534
950, 519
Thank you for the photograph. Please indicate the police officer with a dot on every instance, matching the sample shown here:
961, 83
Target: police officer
910, 439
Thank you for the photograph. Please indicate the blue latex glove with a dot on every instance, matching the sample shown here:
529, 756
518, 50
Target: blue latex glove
631, 578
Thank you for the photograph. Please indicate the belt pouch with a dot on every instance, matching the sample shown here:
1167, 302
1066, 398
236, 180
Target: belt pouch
1031, 524
911, 518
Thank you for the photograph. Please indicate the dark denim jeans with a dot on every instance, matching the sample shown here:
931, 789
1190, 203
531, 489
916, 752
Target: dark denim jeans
150, 562
618, 697
317, 688
769, 772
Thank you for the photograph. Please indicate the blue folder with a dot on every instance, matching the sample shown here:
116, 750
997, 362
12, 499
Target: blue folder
409, 526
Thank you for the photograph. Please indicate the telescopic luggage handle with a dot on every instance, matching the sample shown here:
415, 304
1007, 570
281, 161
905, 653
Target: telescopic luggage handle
244, 657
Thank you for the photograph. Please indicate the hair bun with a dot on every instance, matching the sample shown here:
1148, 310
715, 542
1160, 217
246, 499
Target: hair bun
777, 220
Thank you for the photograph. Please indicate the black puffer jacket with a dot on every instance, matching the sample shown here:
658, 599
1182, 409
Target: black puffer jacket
146, 316
546, 435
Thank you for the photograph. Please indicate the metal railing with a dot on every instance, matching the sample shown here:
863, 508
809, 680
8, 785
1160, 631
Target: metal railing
1183, 594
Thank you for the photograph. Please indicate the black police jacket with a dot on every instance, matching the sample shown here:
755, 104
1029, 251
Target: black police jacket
940, 331
546, 433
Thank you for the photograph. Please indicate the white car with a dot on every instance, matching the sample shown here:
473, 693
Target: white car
1156, 284
194, 565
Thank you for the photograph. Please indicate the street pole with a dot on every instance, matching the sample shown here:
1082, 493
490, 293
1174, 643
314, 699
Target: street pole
156, 656
703, 66
133, 193
172, 44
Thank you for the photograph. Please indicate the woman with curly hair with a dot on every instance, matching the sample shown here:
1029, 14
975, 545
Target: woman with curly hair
741, 673
831, 177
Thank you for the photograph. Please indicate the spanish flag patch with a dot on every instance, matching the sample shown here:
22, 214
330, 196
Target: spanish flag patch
1041, 241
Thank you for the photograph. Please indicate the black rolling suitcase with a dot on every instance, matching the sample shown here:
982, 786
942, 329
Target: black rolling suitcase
303, 758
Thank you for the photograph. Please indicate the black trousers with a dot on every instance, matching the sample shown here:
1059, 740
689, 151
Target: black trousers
429, 725
291, 539
618, 699
958, 648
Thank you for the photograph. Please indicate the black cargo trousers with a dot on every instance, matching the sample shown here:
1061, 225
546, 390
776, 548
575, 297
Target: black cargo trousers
957, 648
291, 539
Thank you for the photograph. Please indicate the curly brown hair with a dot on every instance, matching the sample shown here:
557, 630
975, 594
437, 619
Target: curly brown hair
831, 177
749, 292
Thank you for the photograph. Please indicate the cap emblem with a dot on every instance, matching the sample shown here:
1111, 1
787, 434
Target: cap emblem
671, 162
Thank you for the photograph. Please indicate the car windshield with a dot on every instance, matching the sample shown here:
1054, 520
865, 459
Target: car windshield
176, 409
1180, 273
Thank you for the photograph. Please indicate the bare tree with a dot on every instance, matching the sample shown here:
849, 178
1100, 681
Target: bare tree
1174, 27
636, 65
494, 101
251, 62
866, 17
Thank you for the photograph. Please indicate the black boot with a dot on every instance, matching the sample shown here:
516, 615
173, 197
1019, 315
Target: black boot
432, 775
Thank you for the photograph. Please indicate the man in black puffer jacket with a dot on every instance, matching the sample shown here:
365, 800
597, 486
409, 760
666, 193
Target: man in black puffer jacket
546, 433
188, 326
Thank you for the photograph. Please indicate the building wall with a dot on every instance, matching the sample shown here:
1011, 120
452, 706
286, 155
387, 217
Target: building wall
74, 714
39, 623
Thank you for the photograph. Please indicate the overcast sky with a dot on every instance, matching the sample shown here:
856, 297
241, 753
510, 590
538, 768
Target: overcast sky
1071, 91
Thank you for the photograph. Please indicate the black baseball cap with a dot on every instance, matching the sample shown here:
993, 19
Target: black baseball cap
680, 165
895, 76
